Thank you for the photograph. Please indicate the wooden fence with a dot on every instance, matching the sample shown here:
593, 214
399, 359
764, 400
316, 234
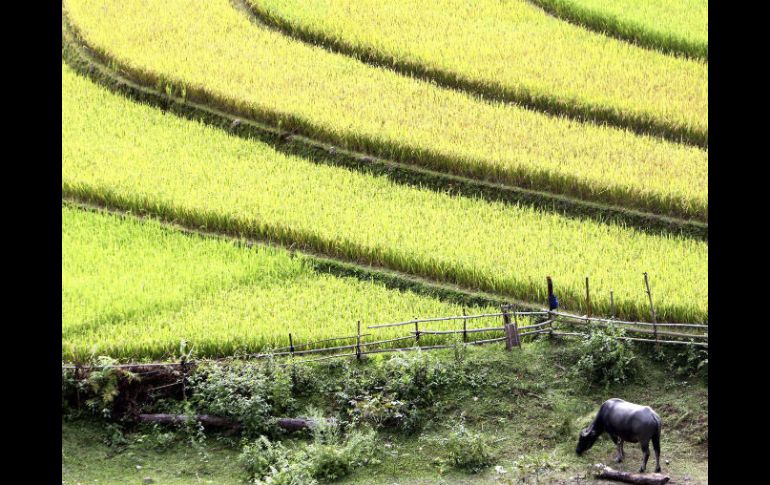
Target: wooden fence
550, 322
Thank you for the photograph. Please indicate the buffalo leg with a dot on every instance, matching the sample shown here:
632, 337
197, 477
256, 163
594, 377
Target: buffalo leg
646, 455
656, 447
618, 445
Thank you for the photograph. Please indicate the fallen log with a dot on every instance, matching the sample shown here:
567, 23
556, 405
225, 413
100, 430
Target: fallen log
289, 424
204, 419
607, 473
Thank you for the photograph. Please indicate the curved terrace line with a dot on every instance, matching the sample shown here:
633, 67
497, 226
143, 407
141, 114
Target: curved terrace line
636, 123
625, 30
83, 60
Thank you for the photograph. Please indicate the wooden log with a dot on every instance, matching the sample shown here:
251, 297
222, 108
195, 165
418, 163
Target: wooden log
607, 473
205, 419
289, 424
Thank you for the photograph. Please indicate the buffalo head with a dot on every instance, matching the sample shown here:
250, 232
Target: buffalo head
586, 440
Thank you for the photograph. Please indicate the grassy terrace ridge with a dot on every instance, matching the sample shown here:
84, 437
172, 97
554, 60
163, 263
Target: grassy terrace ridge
133, 289
137, 158
256, 73
683, 30
511, 51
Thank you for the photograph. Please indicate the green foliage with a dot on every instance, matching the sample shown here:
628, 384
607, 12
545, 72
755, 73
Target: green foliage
534, 464
261, 456
605, 359
467, 450
331, 457
328, 457
103, 382
684, 361
248, 392
398, 393
114, 437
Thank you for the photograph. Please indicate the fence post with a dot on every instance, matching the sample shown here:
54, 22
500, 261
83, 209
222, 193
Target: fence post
507, 327
612, 304
515, 333
358, 342
77, 383
551, 316
183, 364
465, 327
588, 299
416, 333
291, 346
652, 308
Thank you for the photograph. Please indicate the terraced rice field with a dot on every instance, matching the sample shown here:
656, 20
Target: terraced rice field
684, 30
136, 157
133, 289
211, 52
511, 50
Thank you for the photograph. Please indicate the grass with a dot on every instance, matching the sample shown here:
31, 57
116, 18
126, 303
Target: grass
522, 401
135, 289
678, 27
509, 50
136, 158
211, 53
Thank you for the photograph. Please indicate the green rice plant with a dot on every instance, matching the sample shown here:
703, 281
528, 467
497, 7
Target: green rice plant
136, 158
217, 56
675, 26
514, 51
134, 289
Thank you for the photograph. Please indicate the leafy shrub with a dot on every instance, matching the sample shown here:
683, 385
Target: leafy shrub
247, 392
605, 359
384, 411
468, 450
259, 457
104, 383
333, 460
397, 393
289, 474
415, 376
692, 361
329, 457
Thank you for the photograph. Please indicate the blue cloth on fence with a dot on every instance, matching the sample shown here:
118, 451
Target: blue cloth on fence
553, 303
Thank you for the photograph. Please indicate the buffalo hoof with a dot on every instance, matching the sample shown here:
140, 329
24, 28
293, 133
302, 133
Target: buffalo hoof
619, 459
641, 470
657, 470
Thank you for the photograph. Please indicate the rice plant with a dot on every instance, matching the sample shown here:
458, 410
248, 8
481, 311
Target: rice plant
674, 26
135, 289
516, 51
215, 55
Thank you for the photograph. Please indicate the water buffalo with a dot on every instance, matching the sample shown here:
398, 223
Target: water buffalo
624, 421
